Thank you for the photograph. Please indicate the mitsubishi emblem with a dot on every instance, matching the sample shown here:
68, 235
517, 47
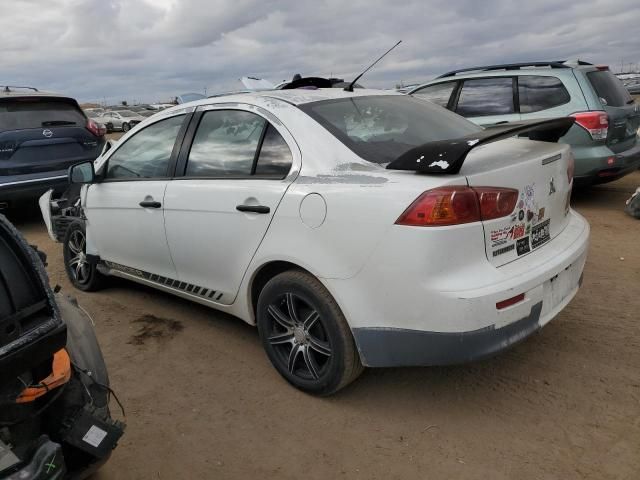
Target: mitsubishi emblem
47, 133
552, 187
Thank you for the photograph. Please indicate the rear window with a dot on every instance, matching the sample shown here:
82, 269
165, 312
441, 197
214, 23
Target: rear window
17, 114
609, 88
538, 93
382, 128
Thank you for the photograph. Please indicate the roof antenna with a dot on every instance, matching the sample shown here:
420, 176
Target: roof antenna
349, 88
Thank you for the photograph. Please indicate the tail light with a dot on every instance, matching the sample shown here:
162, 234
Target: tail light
571, 167
455, 205
95, 128
596, 123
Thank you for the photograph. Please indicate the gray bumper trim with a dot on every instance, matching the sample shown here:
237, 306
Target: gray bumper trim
395, 347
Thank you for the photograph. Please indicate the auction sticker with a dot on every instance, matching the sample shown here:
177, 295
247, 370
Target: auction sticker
540, 234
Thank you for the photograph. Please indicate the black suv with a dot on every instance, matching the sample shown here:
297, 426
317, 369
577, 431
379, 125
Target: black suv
41, 135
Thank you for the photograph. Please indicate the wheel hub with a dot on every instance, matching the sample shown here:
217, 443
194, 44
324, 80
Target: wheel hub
299, 335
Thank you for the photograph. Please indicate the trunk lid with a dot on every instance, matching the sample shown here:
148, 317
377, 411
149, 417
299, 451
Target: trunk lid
538, 170
624, 113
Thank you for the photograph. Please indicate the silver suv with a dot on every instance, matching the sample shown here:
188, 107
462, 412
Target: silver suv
604, 138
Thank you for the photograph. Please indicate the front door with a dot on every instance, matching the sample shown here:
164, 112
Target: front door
124, 211
235, 175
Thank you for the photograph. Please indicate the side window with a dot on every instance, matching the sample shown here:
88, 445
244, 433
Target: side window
147, 153
225, 144
275, 158
540, 93
486, 96
439, 93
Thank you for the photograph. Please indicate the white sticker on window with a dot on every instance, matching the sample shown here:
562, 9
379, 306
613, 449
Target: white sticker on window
94, 436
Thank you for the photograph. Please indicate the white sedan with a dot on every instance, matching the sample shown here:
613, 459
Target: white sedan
355, 229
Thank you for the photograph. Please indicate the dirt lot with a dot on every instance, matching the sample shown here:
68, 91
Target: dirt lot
202, 400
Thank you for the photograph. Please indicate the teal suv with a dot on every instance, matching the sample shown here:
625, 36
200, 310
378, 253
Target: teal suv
604, 138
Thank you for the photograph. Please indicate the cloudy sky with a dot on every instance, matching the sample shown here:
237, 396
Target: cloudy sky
150, 50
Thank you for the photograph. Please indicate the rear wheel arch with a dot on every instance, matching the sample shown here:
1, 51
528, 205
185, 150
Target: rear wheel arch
265, 273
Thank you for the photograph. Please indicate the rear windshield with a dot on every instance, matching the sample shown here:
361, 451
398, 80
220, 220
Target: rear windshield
17, 114
382, 128
609, 88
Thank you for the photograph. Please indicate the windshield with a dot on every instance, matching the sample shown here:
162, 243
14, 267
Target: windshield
381, 128
127, 113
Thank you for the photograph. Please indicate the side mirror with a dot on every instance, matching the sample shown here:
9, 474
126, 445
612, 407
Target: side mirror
81, 173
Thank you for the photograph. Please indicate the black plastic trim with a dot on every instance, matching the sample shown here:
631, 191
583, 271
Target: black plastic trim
396, 347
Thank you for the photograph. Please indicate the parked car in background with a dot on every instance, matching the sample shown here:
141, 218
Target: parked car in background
121, 120
41, 135
301, 211
93, 112
633, 86
54, 387
604, 138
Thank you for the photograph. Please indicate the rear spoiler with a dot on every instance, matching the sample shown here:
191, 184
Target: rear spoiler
447, 156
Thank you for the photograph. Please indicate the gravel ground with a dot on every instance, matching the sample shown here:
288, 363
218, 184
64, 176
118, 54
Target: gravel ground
202, 401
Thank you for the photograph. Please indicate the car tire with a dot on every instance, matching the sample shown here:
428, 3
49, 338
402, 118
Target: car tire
109, 127
305, 334
126, 127
82, 273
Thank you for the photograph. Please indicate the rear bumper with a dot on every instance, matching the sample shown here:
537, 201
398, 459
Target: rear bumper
606, 167
398, 347
33, 185
449, 315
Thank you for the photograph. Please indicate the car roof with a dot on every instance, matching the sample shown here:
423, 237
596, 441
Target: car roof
15, 92
296, 97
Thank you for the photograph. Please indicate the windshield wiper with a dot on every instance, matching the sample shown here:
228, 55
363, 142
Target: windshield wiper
51, 123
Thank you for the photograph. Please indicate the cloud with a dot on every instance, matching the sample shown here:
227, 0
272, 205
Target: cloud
151, 50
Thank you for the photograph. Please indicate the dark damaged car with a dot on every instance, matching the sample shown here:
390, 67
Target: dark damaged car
55, 420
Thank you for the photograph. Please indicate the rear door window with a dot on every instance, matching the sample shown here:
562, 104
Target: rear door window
225, 144
486, 96
25, 113
275, 158
440, 93
609, 88
237, 144
537, 92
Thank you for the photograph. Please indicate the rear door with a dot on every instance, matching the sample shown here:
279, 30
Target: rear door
43, 134
236, 171
487, 101
538, 170
125, 210
624, 113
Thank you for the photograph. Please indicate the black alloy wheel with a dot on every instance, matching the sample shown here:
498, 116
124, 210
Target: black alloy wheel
305, 334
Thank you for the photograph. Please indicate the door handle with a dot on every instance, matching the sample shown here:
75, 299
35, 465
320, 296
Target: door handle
253, 208
150, 204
